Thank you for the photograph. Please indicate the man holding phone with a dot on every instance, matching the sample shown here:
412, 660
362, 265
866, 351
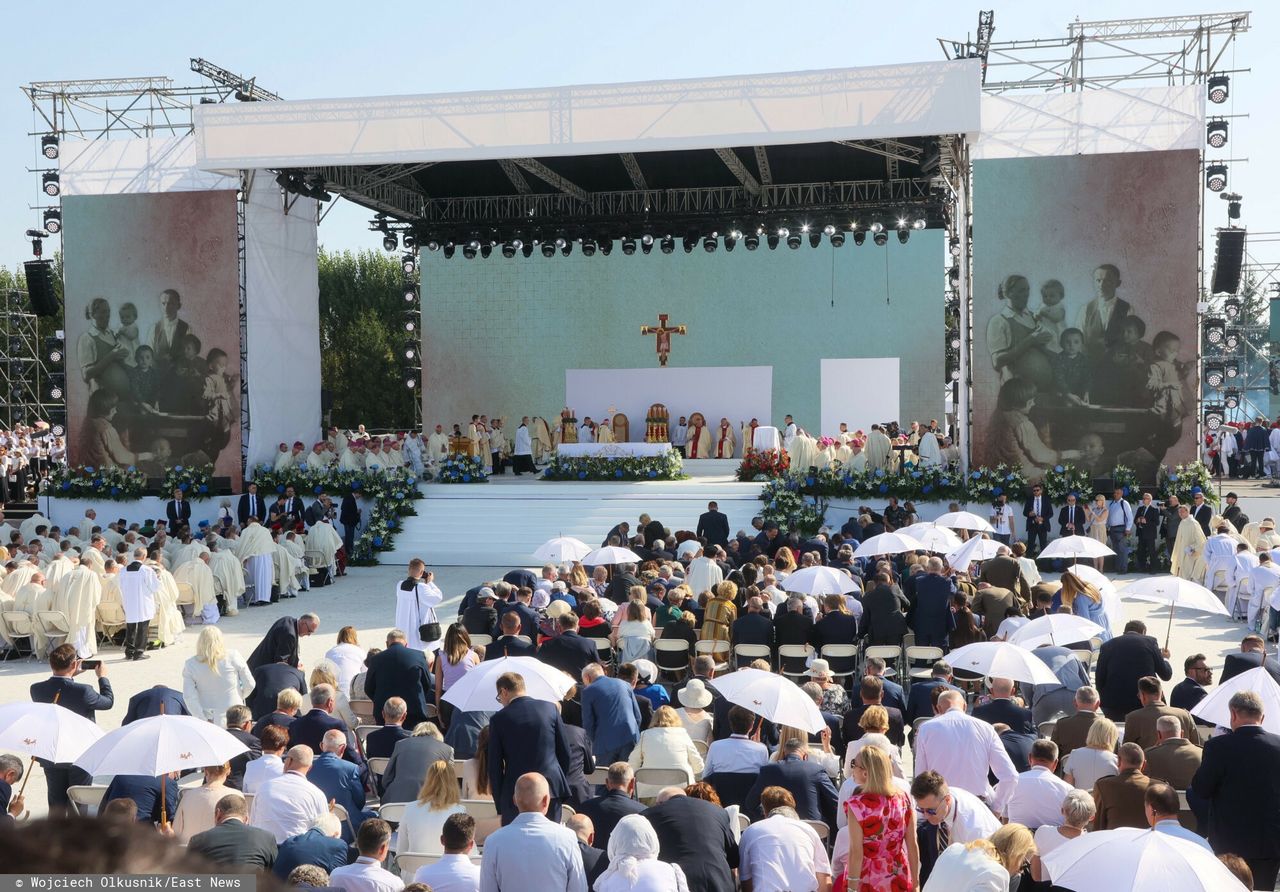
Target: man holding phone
81, 699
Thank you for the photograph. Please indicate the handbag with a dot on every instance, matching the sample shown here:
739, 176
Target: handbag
428, 631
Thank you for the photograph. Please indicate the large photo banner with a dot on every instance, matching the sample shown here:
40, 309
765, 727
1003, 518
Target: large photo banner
153, 331
1084, 311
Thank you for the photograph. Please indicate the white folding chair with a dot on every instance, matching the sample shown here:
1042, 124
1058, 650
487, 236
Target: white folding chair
480, 808
890, 653
793, 660
21, 629
87, 798
55, 626
922, 654
743, 654
672, 656
392, 812
717, 650
364, 711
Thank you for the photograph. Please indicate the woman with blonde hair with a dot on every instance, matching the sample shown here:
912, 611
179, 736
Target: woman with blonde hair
665, 744
633, 639
196, 805
719, 614
874, 723
348, 656
215, 679
1086, 601
326, 672
456, 659
822, 753
1097, 758
424, 818
883, 852
1016, 848
784, 563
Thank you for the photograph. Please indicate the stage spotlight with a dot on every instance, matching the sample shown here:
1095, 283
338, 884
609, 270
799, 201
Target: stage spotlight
411, 323
668, 244
527, 250
628, 246
409, 240
1232, 340
1232, 307
410, 292
1216, 133
433, 244
772, 241
1231, 398
783, 232
605, 245
881, 238
1219, 88
919, 223
486, 249
566, 249
548, 249
837, 239
859, 236
53, 220
955, 248
1233, 206
409, 264
469, 250
49, 146
1215, 177
410, 350
561, 241
51, 185
876, 227
646, 247
58, 430
411, 380
647, 239
588, 248
1215, 330
389, 242
55, 355
509, 250
1214, 375
904, 235
1232, 369
729, 243
1214, 416
752, 241
709, 244
815, 239
793, 241
829, 230
689, 242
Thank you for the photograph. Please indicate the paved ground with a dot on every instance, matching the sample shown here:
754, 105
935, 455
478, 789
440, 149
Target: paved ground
366, 599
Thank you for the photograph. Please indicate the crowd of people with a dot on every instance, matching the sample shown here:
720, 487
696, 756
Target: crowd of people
27, 454
941, 782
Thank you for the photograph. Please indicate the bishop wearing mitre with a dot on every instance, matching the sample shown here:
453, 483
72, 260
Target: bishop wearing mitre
726, 440
698, 444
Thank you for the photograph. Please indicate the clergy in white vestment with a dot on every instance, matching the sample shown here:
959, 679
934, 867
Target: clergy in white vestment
93, 559
1267, 537
697, 437
139, 585
284, 570
189, 552
790, 430
297, 548
416, 599
1264, 588
58, 567
857, 456
703, 574
803, 451
31, 598
283, 459
1219, 557
77, 596
28, 527
350, 460
169, 621
930, 450
395, 457
337, 439
87, 523
437, 446
542, 440
257, 552
6, 533
726, 440
317, 459
413, 452
879, 449
323, 541
18, 578
113, 537
604, 433
1186, 558
228, 574
197, 574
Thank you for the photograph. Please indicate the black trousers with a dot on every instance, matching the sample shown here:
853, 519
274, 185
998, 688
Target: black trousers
497, 463
57, 778
1037, 535
521, 464
1264, 871
135, 638
1146, 554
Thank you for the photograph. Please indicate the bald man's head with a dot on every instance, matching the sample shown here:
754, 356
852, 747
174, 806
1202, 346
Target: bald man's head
532, 793
949, 701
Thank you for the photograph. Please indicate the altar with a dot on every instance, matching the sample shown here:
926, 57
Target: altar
612, 450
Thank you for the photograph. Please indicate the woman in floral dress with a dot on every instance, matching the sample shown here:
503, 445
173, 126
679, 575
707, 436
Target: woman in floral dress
883, 853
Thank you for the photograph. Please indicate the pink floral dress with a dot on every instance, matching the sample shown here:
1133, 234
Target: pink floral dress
885, 821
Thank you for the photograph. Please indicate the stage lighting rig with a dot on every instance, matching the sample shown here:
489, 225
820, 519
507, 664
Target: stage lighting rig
1215, 375
604, 244
1231, 398
904, 235
837, 239
709, 244
628, 246
1214, 416
53, 220
859, 236
668, 244
1233, 200
409, 264
588, 247
1219, 88
1232, 369
1232, 339
548, 249
881, 238
793, 241
815, 239
1216, 132
49, 181
1215, 331
1215, 177
1232, 308
37, 237
49, 146
389, 242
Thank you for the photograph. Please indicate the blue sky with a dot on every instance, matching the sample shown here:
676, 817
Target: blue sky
323, 49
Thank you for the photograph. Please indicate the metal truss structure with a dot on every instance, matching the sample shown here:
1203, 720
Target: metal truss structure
26, 380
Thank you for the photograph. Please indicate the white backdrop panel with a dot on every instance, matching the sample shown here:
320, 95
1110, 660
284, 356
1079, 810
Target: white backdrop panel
859, 392
738, 393
282, 302
133, 166
920, 99
1091, 122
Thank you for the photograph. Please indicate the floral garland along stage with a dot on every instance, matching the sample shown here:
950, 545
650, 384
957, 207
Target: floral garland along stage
195, 483
390, 492
461, 469
666, 466
86, 482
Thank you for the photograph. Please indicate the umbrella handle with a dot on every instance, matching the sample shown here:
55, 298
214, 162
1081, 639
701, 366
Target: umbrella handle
1169, 630
26, 777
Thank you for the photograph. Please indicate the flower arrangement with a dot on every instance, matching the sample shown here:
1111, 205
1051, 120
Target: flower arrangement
985, 484
87, 482
1183, 480
787, 506
195, 483
462, 469
1062, 480
665, 466
763, 464
1126, 478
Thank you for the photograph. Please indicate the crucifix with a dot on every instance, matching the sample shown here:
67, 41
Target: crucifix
664, 333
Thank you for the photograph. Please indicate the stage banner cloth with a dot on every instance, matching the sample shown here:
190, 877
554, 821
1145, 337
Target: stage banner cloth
612, 450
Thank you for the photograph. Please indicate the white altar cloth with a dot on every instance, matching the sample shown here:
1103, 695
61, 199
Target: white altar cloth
767, 438
612, 450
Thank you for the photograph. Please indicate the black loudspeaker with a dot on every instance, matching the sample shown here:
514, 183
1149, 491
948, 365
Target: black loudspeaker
1227, 260
44, 302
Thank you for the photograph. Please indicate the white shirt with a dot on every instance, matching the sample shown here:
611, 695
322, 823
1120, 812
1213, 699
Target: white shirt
524, 443
452, 873
968, 869
1002, 516
421, 826
1171, 827
365, 875
532, 853
1033, 798
260, 770
970, 818
349, 658
735, 754
1049, 839
789, 434
138, 592
962, 749
287, 805
1009, 625
781, 854
679, 434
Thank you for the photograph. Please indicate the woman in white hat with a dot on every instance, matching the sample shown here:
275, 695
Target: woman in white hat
834, 698
695, 698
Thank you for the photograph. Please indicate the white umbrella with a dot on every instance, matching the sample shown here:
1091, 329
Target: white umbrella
888, 543
1055, 628
1000, 659
1076, 547
935, 538
160, 744
1213, 708
44, 731
1110, 597
976, 549
1091, 575
610, 554
775, 697
1176, 592
819, 581
965, 520
562, 548
1137, 861
476, 691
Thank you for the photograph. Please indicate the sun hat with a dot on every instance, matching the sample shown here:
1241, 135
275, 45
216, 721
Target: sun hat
695, 695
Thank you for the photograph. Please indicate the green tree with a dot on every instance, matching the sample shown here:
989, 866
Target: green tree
362, 340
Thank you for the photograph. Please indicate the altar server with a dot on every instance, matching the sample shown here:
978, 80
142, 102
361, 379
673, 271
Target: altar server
138, 586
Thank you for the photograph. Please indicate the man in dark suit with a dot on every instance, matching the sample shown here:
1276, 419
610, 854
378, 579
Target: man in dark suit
753, 627
481, 618
581, 763
607, 810
810, 785
793, 625
713, 526
1002, 710
920, 695
269, 681
931, 616
569, 652
1253, 653
400, 671
521, 608
595, 860
310, 728
1146, 524
157, 700
178, 510
621, 532
1239, 777
339, 779
280, 644
144, 790
621, 583
322, 846
81, 699
526, 735
1201, 510
1121, 662
508, 644
1071, 518
1072, 731
1039, 518
1190, 691
871, 693
293, 506
884, 618
232, 842
349, 517
696, 835
239, 725
381, 743
251, 505
892, 694
611, 713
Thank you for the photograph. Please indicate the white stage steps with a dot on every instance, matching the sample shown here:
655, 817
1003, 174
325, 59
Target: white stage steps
501, 522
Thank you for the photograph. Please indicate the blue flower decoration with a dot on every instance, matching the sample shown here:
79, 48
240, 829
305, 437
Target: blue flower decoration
1058, 468
926, 488
357, 484
582, 475
280, 488
97, 481
203, 488
975, 475
884, 487
1196, 489
653, 474
88, 470
115, 490
809, 481
1173, 478
412, 480
879, 472
466, 478
996, 490
318, 489
131, 469
917, 474
1010, 478
377, 541
177, 467
617, 474
66, 484
184, 486
391, 524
